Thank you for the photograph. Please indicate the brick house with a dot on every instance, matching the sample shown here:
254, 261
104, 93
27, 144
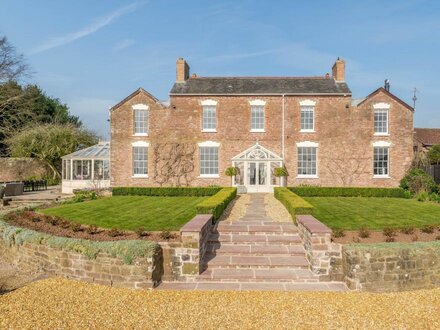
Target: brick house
310, 125
425, 138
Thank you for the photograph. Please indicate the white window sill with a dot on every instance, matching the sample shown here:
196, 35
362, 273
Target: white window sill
140, 176
307, 177
381, 134
307, 131
209, 130
381, 177
209, 176
258, 131
140, 134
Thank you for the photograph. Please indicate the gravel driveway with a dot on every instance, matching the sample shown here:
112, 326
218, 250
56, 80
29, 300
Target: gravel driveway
64, 304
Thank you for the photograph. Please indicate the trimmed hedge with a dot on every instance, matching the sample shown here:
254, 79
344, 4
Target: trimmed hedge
307, 191
165, 191
217, 203
293, 203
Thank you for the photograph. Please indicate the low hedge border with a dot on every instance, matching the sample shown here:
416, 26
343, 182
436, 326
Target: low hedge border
217, 203
165, 191
128, 251
309, 191
294, 204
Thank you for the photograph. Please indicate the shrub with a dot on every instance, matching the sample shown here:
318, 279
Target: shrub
364, 233
294, 204
280, 171
422, 196
434, 197
427, 229
337, 233
408, 230
232, 171
54, 221
389, 232
165, 191
76, 227
166, 235
217, 203
92, 230
141, 232
313, 191
84, 195
114, 232
416, 180
64, 223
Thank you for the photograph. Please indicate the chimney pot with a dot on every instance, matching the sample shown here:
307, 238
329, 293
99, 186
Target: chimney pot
338, 70
182, 70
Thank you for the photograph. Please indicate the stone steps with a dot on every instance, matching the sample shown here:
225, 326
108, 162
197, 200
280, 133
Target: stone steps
257, 249
254, 239
258, 275
257, 262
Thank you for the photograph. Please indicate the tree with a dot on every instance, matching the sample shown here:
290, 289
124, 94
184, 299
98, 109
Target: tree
12, 65
434, 154
49, 142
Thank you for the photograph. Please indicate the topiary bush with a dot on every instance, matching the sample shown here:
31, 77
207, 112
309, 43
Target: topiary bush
165, 191
217, 203
416, 180
232, 171
280, 171
294, 204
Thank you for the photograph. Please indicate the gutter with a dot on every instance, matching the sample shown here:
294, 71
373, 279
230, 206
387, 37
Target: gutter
264, 94
282, 129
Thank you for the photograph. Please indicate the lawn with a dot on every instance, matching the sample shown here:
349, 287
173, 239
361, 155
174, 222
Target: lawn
131, 212
352, 213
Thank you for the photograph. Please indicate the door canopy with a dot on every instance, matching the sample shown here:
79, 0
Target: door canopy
257, 152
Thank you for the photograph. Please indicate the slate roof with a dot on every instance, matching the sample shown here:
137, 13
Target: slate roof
259, 85
428, 136
98, 151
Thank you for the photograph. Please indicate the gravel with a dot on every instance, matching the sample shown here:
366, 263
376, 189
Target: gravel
275, 210
236, 209
64, 304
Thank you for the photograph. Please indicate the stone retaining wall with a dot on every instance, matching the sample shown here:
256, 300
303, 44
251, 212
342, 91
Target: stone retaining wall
105, 269
392, 266
183, 261
325, 257
18, 169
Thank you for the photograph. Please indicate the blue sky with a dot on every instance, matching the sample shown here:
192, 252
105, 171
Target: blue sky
92, 54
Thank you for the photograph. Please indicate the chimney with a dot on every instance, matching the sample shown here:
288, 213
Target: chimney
387, 85
182, 70
338, 70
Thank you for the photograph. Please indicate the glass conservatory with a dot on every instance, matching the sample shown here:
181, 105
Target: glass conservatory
87, 168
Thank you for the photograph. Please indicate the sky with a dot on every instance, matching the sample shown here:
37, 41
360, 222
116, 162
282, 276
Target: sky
92, 54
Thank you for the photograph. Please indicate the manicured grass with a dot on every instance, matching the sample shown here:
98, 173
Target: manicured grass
131, 212
352, 213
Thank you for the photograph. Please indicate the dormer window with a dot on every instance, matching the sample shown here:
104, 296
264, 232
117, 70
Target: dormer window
381, 111
209, 116
257, 115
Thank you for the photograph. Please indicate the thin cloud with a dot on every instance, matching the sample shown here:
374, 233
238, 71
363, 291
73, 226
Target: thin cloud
88, 30
124, 44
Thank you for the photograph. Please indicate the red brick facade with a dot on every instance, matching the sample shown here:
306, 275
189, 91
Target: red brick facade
343, 130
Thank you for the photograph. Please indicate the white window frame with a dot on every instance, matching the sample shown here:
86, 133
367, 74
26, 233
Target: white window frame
141, 107
308, 144
383, 108
309, 106
141, 144
211, 144
261, 105
387, 145
209, 104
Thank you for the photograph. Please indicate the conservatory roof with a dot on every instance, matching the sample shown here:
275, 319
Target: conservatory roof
98, 151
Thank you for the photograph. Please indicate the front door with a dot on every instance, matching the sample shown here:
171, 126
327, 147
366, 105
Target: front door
257, 177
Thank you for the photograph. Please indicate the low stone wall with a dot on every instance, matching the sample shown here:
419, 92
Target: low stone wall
183, 261
392, 266
18, 169
42, 253
325, 257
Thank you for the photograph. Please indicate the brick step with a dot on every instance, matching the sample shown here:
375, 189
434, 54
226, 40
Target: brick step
255, 249
258, 262
257, 275
253, 238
